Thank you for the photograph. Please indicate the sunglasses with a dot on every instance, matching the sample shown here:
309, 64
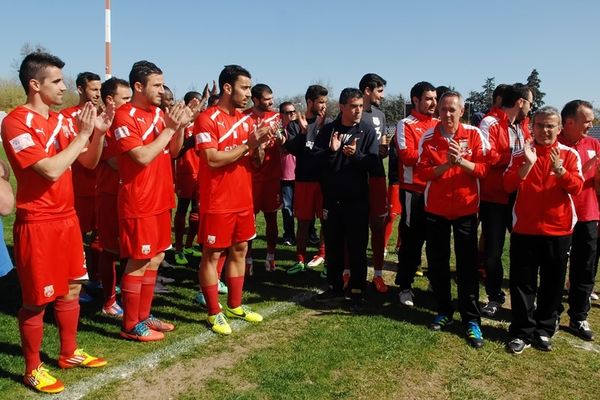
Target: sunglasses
289, 112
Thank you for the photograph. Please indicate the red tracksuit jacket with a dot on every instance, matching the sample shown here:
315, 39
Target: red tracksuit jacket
544, 205
455, 193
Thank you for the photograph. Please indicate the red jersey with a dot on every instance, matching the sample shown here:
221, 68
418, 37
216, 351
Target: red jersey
226, 189
270, 169
544, 204
503, 139
455, 193
84, 179
29, 137
586, 202
107, 178
409, 132
189, 163
145, 190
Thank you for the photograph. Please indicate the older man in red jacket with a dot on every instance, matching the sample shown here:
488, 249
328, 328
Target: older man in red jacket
546, 174
452, 159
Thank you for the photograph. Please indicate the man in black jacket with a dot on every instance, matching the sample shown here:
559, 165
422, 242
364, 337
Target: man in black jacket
347, 149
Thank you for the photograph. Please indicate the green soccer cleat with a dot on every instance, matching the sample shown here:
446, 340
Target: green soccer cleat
243, 312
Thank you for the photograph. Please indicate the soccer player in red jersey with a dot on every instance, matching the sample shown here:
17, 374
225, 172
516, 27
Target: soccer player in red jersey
146, 139
186, 187
266, 172
84, 179
41, 146
107, 187
224, 137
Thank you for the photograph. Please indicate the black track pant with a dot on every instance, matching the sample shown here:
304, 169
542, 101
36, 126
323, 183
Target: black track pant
531, 255
346, 225
412, 236
464, 230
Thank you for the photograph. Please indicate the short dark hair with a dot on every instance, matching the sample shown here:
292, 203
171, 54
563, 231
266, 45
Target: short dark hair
84, 77
440, 90
285, 104
514, 92
371, 81
33, 66
314, 92
189, 96
213, 99
141, 70
499, 91
230, 74
167, 89
109, 87
571, 108
349, 94
258, 90
420, 88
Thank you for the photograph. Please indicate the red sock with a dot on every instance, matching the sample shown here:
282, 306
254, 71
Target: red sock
377, 246
211, 294
179, 225
131, 287
31, 326
322, 248
221, 264
235, 285
301, 239
147, 293
271, 231
108, 276
389, 227
66, 313
193, 225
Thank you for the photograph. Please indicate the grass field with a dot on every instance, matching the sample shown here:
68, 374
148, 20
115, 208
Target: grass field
301, 350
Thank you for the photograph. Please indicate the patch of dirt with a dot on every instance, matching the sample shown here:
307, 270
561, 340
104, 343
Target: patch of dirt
171, 381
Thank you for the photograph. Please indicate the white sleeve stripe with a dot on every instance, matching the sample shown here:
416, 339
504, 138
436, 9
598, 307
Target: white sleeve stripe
54, 133
232, 129
28, 119
152, 125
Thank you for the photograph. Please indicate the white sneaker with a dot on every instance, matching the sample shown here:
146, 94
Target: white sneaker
315, 262
491, 308
270, 262
594, 296
160, 288
164, 280
406, 298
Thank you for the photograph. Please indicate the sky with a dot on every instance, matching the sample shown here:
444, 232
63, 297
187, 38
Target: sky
290, 45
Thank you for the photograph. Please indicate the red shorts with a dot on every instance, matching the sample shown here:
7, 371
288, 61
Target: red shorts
378, 203
86, 212
308, 201
220, 231
48, 255
186, 186
394, 200
143, 238
108, 221
266, 195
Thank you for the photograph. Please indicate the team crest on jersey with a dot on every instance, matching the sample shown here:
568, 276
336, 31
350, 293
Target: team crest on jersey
211, 239
145, 249
21, 142
463, 145
591, 153
49, 291
245, 126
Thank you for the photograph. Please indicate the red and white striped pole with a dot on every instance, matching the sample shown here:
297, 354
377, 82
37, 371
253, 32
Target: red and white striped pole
108, 66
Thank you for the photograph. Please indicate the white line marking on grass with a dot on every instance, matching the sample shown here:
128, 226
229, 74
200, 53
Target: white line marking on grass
151, 360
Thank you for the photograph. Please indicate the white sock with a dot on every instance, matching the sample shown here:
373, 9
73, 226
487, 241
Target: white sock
378, 272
